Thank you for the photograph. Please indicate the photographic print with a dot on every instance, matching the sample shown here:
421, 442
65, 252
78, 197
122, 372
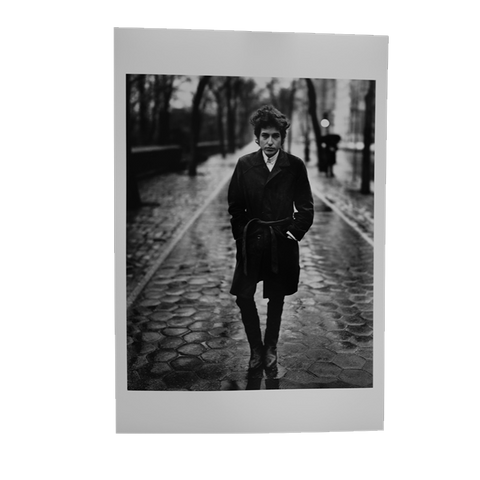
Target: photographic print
309, 324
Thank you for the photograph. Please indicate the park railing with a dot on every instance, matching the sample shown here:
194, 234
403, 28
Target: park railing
154, 159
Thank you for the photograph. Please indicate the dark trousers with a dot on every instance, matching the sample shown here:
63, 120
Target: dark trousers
251, 320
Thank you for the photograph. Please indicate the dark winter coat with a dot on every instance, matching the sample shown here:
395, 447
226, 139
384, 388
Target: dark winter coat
257, 193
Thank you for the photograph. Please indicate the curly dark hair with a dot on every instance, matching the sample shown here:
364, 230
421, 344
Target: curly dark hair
268, 116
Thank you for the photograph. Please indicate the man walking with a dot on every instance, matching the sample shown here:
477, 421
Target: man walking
271, 208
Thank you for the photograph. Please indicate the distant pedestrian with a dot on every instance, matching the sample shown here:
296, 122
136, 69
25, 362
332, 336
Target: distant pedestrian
271, 208
330, 146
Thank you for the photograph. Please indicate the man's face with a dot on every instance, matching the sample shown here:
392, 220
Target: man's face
270, 141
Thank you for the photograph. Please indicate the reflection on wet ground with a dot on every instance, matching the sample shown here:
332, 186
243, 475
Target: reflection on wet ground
184, 329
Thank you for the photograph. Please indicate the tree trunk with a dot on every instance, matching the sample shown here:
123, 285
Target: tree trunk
230, 116
166, 95
143, 102
291, 105
306, 136
192, 167
133, 195
312, 110
221, 133
367, 138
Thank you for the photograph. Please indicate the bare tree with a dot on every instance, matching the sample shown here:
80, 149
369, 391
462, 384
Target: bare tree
305, 133
143, 108
368, 137
133, 194
312, 110
163, 91
247, 103
291, 105
218, 90
195, 125
232, 90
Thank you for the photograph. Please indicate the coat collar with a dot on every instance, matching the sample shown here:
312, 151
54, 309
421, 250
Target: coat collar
282, 160
281, 163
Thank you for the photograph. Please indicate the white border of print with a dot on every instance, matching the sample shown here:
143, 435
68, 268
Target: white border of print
257, 54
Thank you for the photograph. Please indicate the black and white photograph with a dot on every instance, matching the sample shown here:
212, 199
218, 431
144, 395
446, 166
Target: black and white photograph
250, 223
249, 230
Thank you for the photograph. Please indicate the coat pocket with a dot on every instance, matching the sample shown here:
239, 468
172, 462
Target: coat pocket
289, 256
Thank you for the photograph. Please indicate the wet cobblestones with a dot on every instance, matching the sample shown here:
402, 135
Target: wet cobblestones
169, 201
185, 333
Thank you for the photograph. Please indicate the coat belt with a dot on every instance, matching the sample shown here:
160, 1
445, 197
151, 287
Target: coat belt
274, 250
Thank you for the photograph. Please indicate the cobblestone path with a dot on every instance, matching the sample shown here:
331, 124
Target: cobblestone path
169, 200
185, 333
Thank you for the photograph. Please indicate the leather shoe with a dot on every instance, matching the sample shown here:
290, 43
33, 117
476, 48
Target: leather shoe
255, 358
270, 357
